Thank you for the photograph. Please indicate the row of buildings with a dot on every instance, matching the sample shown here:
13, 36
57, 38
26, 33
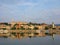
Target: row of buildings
27, 29
22, 25
26, 26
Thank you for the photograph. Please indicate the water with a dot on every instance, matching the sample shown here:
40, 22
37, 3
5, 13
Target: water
48, 40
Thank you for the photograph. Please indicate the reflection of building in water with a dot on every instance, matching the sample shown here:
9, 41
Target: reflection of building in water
53, 36
27, 33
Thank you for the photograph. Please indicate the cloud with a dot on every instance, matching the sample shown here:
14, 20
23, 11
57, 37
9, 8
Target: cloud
26, 4
18, 2
55, 11
29, 10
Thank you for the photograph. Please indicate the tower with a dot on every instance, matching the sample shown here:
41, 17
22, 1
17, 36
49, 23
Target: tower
53, 26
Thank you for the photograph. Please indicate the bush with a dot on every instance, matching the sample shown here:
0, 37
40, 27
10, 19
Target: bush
35, 28
53, 28
22, 28
13, 28
46, 28
4, 28
29, 29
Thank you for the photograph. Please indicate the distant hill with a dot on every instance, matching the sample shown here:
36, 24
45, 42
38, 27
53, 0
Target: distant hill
57, 24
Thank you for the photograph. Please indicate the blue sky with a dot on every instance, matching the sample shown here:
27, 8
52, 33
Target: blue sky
38, 11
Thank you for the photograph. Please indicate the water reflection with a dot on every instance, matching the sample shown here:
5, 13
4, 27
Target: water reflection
22, 35
46, 40
30, 39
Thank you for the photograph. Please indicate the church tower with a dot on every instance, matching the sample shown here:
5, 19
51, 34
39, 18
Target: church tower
53, 26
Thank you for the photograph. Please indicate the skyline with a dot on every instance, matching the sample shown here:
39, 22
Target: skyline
39, 11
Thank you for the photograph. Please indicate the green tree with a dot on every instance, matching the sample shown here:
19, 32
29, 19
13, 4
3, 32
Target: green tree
53, 28
4, 28
46, 28
35, 28
13, 28
22, 28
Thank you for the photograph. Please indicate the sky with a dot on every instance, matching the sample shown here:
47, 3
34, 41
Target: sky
38, 11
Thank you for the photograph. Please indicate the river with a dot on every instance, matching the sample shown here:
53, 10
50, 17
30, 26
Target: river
47, 40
